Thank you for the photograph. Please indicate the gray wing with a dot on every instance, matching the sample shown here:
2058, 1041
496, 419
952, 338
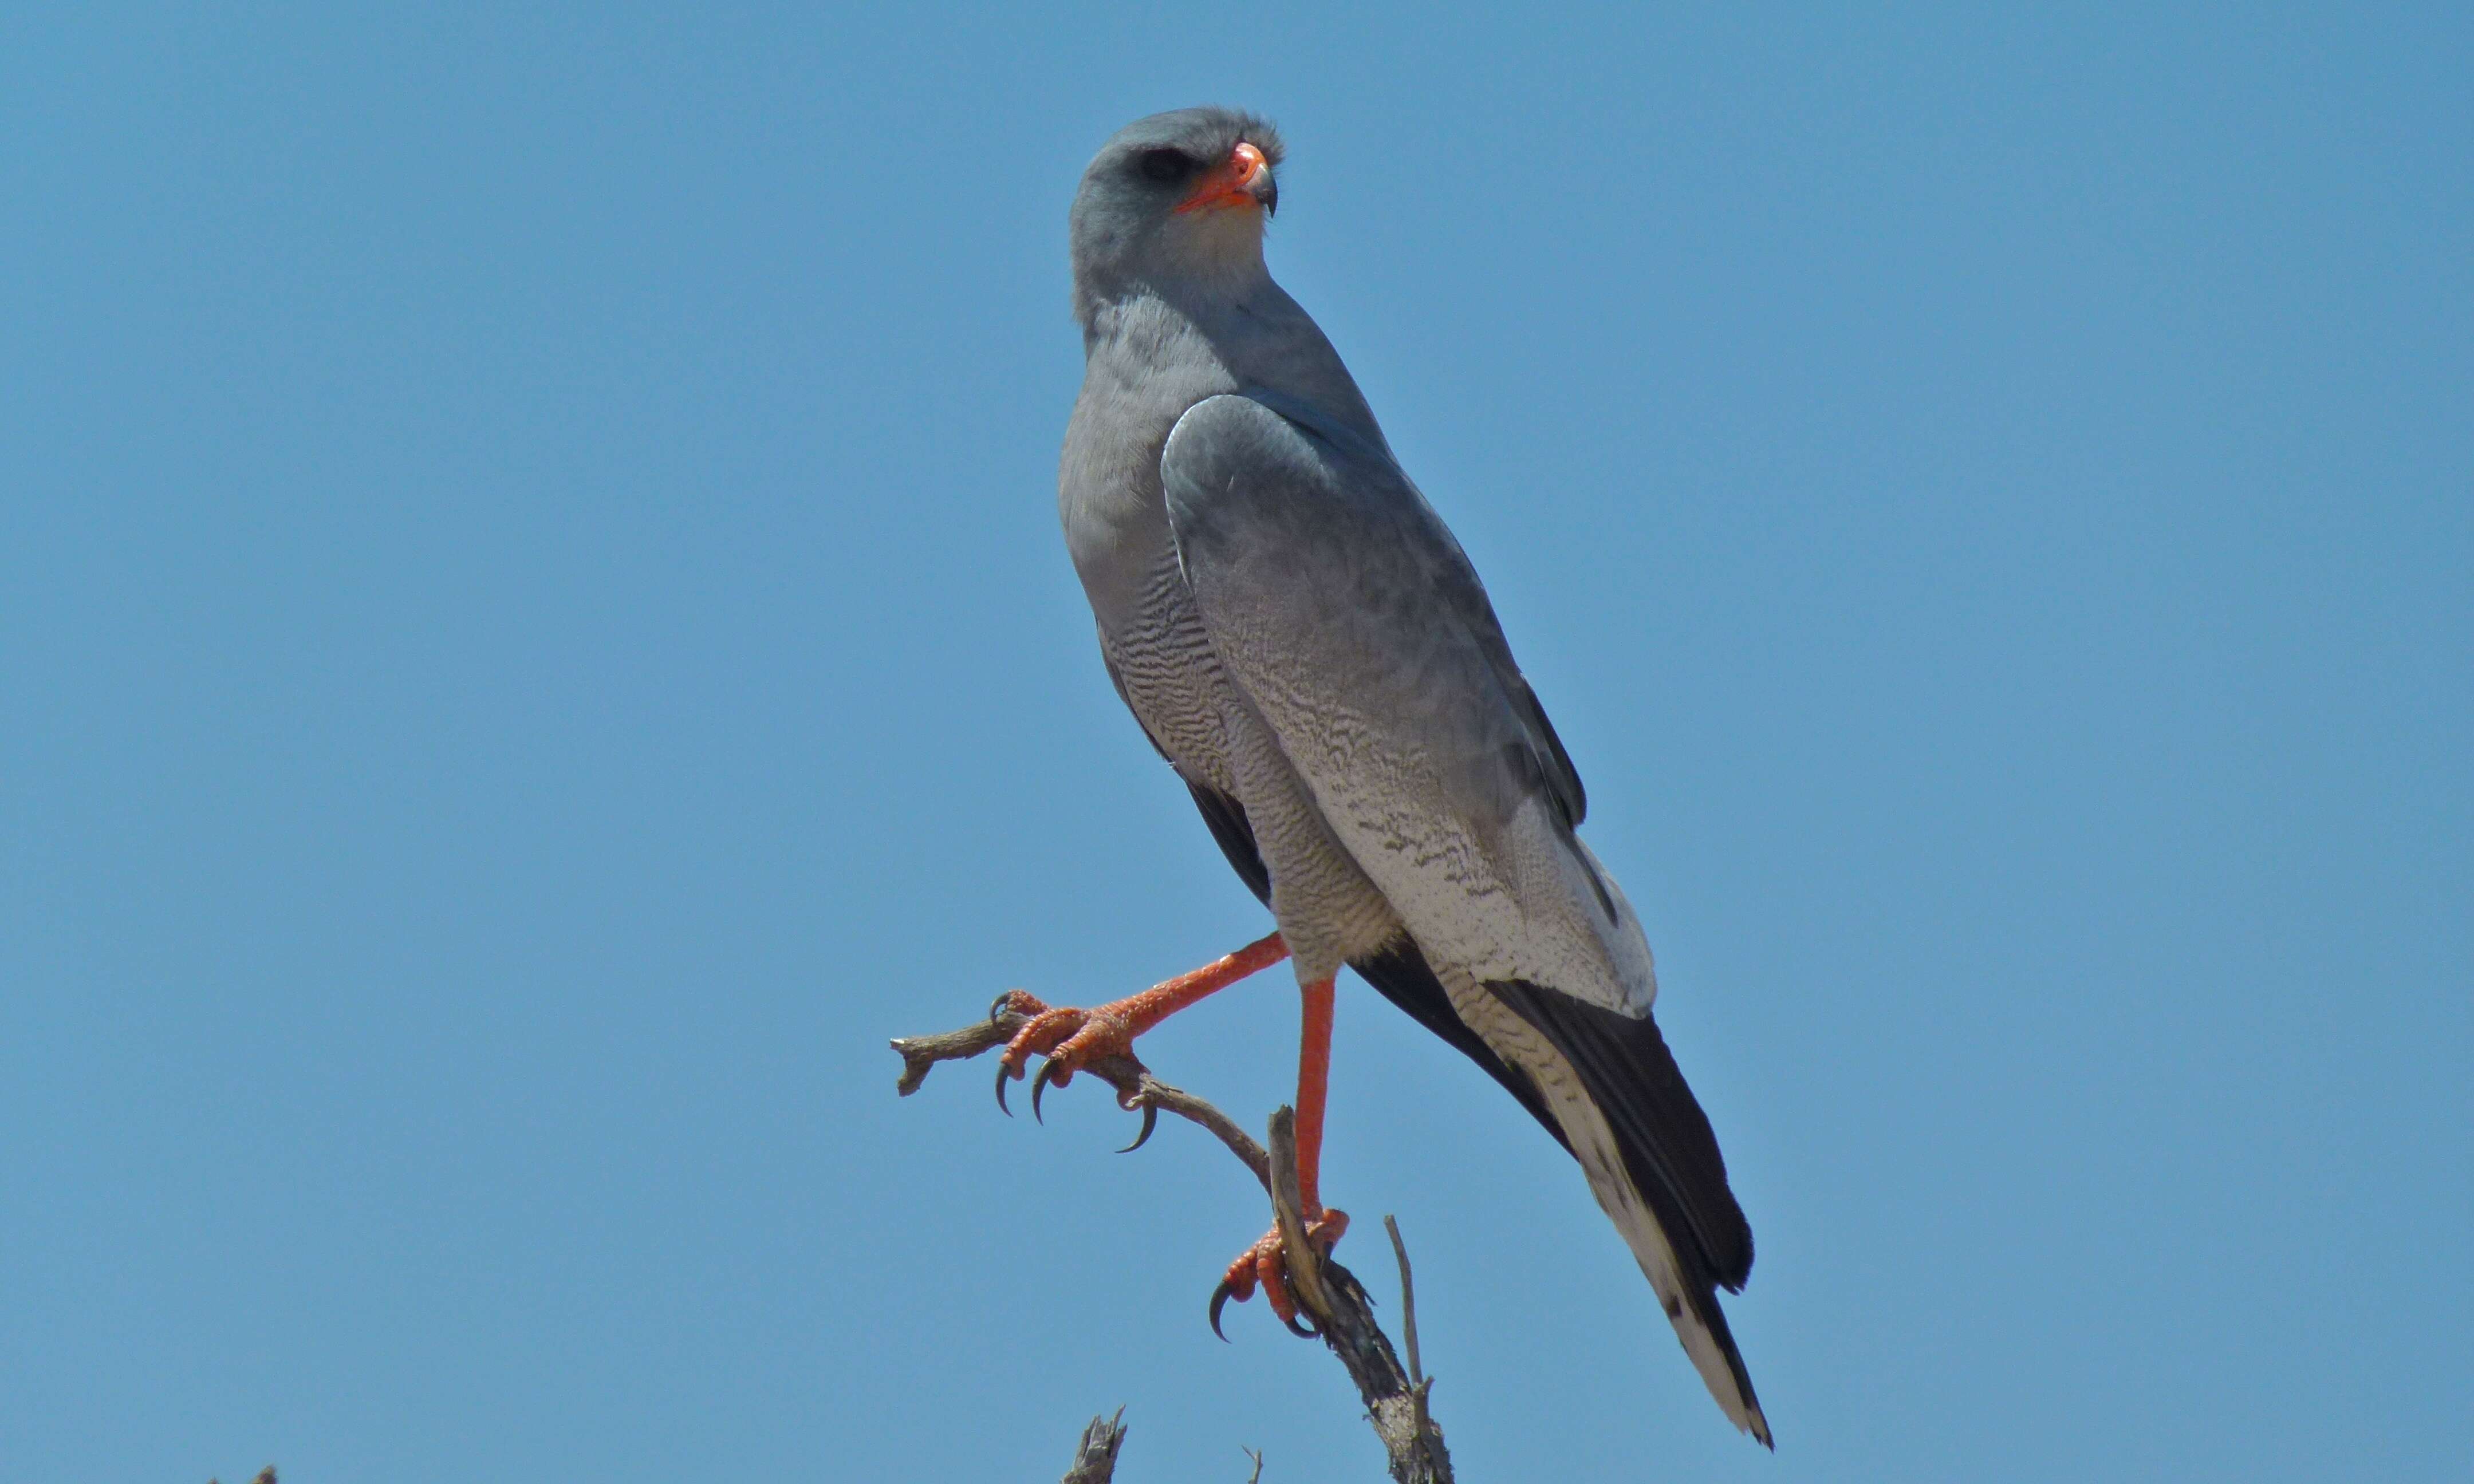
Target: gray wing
1400, 973
1339, 603
1436, 562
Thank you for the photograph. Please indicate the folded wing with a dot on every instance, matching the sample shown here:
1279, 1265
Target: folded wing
1339, 603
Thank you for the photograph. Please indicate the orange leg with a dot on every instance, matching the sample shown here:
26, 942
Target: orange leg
1266, 1262
1313, 1082
1074, 1039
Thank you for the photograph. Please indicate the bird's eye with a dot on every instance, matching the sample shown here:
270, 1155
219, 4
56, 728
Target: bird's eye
1166, 166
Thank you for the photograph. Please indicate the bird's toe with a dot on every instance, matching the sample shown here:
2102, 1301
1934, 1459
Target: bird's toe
1265, 1265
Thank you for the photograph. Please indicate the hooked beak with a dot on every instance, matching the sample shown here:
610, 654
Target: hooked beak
1245, 180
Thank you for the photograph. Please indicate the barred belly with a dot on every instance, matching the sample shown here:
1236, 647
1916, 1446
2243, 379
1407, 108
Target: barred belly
1165, 667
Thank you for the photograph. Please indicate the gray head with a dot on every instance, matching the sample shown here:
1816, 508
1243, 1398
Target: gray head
1175, 202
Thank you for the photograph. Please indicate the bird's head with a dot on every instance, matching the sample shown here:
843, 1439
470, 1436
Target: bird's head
1175, 199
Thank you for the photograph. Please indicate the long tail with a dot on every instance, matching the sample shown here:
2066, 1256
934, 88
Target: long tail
1654, 1165
1607, 1087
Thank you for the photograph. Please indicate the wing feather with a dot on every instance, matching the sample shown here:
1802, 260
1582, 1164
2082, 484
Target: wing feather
1336, 600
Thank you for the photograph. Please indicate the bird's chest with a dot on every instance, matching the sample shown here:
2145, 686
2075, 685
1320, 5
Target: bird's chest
1116, 523
1117, 532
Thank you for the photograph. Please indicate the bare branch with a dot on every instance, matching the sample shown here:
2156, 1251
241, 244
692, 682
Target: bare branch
1137, 1089
1408, 1302
1418, 1382
1287, 1212
1095, 1459
1395, 1402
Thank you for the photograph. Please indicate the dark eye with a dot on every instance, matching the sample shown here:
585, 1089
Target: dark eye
1166, 166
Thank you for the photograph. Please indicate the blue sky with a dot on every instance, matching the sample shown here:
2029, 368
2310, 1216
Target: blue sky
533, 638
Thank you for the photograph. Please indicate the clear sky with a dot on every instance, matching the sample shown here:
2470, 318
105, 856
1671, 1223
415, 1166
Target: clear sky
533, 638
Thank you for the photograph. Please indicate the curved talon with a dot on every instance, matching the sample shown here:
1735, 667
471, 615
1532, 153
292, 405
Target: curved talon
1050, 1071
1220, 1300
1267, 1265
1003, 1070
997, 1007
1151, 1121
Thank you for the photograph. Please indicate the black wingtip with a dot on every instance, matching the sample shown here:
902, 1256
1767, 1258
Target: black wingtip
1665, 1139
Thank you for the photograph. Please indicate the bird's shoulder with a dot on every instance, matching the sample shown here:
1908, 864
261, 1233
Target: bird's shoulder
1319, 509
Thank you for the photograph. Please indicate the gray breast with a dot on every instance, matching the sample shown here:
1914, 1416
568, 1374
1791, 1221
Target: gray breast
1148, 365
1141, 378
1164, 665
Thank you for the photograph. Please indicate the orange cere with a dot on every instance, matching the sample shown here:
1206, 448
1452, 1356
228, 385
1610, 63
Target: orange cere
1232, 184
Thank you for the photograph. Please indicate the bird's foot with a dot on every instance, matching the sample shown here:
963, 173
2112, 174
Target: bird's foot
1267, 1263
1073, 1040
1070, 1039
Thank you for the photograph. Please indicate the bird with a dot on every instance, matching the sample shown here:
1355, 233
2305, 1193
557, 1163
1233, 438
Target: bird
1306, 643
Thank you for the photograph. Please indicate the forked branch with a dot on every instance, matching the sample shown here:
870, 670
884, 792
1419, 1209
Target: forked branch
1394, 1400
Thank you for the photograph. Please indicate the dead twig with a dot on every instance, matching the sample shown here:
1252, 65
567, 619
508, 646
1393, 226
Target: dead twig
1288, 1213
1394, 1401
1408, 1299
1137, 1089
1394, 1404
1418, 1385
1095, 1458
